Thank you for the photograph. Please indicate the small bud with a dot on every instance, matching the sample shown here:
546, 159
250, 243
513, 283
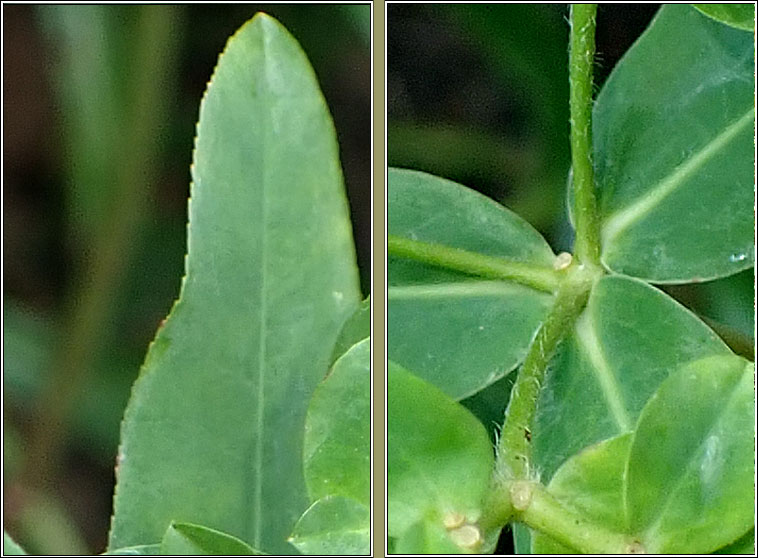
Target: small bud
467, 537
562, 261
453, 520
521, 495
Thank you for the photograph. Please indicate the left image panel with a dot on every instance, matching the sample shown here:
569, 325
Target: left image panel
186, 272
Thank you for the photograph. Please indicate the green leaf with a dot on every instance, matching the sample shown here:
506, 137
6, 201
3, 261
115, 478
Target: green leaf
744, 545
425, 537
138, 550
674, 151
334, 525
591, 483
439, 457
213, 433
682, 482
691, 467
629, 338
337, 447
195, 540
741, 16
356, 327
11, 547
433, 313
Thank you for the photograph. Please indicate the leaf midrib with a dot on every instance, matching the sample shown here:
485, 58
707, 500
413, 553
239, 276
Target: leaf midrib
586, 334
257, 492
623, 218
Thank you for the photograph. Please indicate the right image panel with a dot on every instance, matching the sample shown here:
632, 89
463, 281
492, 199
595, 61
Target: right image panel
570, 279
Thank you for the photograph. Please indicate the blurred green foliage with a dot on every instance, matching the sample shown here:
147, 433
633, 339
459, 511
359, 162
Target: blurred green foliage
99, 115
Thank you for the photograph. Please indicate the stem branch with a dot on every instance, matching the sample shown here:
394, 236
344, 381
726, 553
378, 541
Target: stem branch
563, 524
540, 278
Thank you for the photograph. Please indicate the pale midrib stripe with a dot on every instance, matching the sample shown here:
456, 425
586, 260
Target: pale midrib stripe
259, 423
624, 218
604, 375
464, 289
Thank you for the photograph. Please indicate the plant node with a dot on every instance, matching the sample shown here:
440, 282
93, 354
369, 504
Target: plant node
467, 537
562, 261
521, 495
453, 520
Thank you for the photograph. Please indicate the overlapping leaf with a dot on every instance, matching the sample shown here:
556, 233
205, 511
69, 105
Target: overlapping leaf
629, 338
741, 16
591, 483
433, 314
439, 460
682, 482
689, 480
355, 328
674, 151
337, 447
424, 537
213, 432
336, 454
334, 525
186, 539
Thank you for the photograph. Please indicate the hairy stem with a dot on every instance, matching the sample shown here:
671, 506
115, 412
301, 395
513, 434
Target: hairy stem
540, 278
514, 447
582, 51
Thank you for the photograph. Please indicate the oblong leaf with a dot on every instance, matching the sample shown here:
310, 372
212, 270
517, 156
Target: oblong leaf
213, 432
195, 540
741, 16
337, 446
674, 152
629, 338
439, 456
334, 525
432, 313
689, 482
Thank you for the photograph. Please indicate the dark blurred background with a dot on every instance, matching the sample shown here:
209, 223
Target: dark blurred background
100, 105
479, 94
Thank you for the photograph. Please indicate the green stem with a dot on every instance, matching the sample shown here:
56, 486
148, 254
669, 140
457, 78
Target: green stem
541, 511
514, 447
582, 51
540, 278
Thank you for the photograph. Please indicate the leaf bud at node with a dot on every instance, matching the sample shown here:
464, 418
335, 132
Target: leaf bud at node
467, 537
521, 495
562, 261
453, 520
